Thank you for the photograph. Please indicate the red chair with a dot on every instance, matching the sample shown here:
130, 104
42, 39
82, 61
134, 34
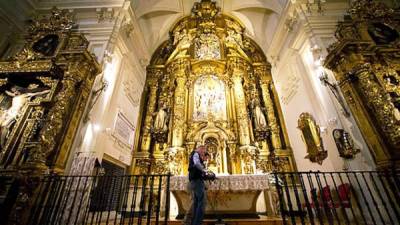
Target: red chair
326, 191
321, 201
344, 191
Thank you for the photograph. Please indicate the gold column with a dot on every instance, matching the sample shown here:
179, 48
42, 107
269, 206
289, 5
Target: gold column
238, 67
58, 114
273, 122
369, 93
152, 83
266, 83
376, 98
178, 70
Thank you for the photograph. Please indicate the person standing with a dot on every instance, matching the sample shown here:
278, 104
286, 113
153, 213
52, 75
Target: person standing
197, 172
189, 214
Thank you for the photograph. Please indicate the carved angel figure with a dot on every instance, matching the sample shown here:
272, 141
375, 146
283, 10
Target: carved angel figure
234, 38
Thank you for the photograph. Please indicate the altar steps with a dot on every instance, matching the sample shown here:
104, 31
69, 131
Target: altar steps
261, 221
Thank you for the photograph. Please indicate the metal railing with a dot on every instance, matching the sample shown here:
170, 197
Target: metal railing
133, 199
365, 197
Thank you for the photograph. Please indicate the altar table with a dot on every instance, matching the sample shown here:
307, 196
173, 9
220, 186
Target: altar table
229, 195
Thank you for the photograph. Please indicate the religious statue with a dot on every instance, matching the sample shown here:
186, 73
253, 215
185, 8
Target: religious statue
160, 122
391, 84
345, 144
248, 162
258, 115
182, 41
234, 38
312, 138
19, 100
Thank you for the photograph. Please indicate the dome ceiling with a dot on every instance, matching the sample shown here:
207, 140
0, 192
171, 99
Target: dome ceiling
156, 17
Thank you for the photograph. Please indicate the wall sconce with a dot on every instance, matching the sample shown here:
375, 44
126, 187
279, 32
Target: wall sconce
335, 90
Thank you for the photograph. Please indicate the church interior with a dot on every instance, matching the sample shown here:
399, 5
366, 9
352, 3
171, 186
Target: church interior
103, 101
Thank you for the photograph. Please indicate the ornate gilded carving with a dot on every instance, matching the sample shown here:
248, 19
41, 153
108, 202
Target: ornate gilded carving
365, 62
59, 20
369, 9
58, 114
311, 137
44, 90
377, 100
205, 10
175, 157
210, 93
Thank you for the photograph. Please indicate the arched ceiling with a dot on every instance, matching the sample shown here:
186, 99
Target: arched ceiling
156, 17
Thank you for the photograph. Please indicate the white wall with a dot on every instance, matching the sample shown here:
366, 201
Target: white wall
122, 54
296, 76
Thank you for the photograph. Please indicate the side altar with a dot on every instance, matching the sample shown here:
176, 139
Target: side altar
233, 196
210, 84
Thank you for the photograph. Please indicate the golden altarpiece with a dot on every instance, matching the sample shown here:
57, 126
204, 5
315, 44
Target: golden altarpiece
366, 63
44, 90
43, 93
210, 84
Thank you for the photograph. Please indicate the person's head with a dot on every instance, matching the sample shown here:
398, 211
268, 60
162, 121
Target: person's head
206, 156
201, 149
15, 90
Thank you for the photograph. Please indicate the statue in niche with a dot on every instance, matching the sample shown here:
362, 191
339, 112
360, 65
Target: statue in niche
258, 116
248, 162
214, 161
19, 100
345, 144
394, 101
47, 45
391, 85
160, 122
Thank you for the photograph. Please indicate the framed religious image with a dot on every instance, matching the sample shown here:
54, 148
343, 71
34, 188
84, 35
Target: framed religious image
123, 130
47, 45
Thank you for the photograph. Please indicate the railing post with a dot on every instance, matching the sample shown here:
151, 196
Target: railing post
167, 201
281, 197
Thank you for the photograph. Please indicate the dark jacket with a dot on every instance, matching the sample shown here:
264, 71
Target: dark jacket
194, 172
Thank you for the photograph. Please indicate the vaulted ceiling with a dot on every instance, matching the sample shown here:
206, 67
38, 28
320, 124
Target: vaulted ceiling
156, 17
264, 20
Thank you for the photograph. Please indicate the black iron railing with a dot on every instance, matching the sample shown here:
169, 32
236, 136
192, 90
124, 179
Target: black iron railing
365, 197
135, 199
